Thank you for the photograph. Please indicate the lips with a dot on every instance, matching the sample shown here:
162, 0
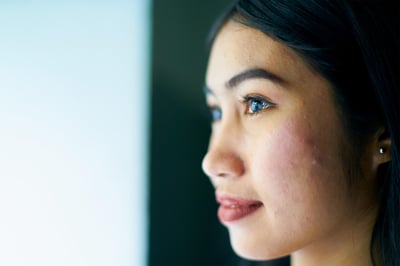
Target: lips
235, 208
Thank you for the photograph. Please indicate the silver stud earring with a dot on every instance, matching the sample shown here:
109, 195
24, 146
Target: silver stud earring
381, 150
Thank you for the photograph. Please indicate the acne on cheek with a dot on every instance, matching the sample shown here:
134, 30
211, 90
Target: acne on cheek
296, 148
290, 158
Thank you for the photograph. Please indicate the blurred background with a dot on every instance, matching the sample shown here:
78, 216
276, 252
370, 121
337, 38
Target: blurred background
102, 131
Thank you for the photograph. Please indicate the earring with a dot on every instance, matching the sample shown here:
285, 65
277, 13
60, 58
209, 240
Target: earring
381, 150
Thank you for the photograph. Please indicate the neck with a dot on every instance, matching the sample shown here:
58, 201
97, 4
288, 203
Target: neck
348, 247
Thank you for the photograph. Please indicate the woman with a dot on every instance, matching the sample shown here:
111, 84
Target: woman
304, 150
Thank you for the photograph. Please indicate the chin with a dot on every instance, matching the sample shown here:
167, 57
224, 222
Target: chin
250, 255
249, 251
255, 251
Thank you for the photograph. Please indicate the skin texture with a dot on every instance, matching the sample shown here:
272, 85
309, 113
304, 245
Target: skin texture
292, 155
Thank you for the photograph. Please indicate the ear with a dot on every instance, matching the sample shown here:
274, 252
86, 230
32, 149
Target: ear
382, 147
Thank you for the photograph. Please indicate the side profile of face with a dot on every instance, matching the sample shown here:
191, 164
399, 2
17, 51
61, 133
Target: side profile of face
278, 155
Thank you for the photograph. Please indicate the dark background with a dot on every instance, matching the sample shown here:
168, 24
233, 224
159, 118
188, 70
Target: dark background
184, 229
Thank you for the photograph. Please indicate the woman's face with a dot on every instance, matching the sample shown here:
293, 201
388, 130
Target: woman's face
278, 154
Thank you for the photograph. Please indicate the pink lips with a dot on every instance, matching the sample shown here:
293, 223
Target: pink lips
232, 208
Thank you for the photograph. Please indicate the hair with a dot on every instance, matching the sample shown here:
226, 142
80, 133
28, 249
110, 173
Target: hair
355, 46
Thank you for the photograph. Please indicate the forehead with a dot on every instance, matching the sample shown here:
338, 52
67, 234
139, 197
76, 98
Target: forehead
238, 47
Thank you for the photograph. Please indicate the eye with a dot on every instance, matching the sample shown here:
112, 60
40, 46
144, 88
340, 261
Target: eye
255, 104
215, 113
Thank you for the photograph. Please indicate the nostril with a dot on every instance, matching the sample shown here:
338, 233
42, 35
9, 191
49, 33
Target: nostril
218, 164
222, 175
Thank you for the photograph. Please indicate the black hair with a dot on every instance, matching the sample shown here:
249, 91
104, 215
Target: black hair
354, 45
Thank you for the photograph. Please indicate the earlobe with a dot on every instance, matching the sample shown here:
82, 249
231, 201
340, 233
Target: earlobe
382, 152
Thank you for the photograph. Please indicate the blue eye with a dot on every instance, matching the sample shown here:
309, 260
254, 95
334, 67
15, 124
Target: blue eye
215, 114
255, 104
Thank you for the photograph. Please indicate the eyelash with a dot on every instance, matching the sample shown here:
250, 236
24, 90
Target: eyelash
249, 102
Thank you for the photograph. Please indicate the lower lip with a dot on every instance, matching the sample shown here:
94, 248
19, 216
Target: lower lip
230, 214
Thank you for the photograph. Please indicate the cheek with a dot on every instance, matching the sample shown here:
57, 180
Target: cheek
289, 149
294, 166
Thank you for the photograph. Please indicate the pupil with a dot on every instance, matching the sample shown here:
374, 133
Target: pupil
255, 106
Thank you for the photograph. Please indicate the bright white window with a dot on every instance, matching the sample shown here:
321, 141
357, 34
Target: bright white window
73, 132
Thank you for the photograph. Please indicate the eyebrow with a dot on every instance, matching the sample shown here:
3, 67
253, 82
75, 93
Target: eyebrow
253, 73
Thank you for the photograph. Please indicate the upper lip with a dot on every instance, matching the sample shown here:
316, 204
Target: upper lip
235, 201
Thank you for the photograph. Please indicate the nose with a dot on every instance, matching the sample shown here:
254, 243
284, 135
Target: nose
223, 158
